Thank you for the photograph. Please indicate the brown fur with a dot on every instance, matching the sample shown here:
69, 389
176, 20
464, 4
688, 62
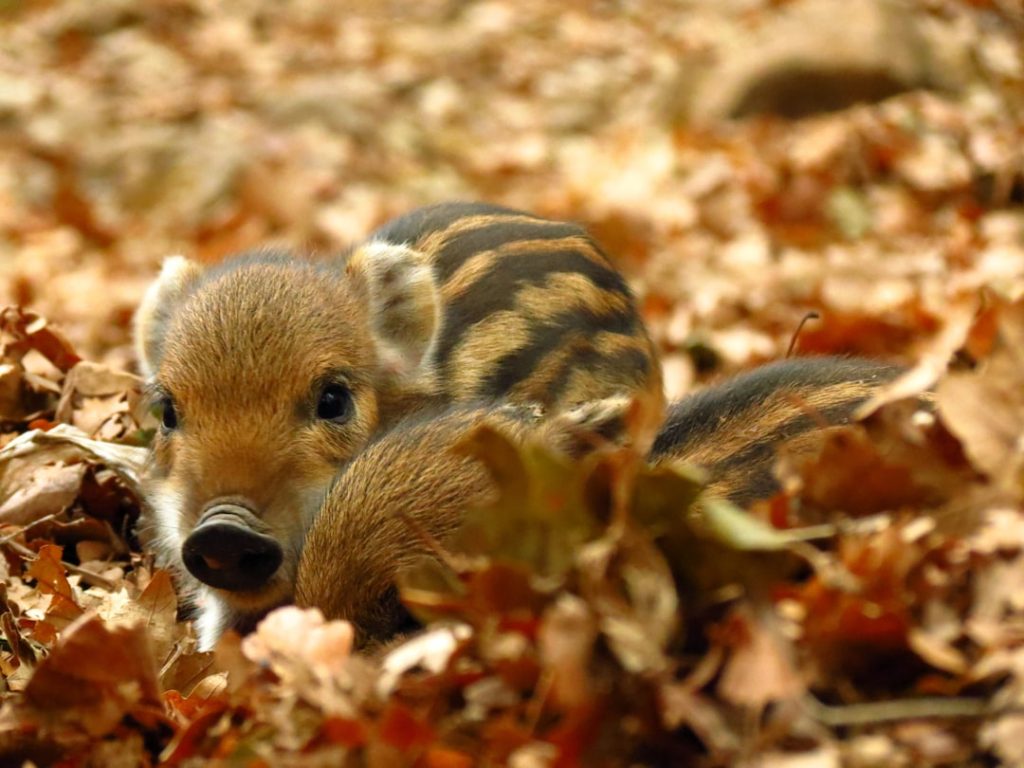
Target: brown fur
359, 541
732, 429
451, 304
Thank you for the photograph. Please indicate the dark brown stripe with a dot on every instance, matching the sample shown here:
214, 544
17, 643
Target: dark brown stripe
413, 226
631, 365
763, 447
496, 291
547, 338
697, 417
454, 251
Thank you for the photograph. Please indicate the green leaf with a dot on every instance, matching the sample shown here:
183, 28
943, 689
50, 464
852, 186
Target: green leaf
850, 212
540, 516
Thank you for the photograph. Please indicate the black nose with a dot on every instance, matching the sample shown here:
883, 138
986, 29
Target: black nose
224, 552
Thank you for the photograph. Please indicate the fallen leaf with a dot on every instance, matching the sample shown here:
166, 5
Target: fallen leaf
51, 489
985, 408
48, 570
760, 668
94, 676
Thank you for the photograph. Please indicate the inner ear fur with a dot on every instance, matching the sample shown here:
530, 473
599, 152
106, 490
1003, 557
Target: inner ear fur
404, 306
177, 276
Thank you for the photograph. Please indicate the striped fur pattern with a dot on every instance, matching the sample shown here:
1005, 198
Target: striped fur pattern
360, 541
455, 303
733, 429
531, 309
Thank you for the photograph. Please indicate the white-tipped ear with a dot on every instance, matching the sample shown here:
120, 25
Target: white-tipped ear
404, 304
176, 278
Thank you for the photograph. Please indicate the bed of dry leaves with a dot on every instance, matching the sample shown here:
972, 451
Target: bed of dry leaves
872, 614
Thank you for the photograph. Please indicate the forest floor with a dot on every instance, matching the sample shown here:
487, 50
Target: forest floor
131, 131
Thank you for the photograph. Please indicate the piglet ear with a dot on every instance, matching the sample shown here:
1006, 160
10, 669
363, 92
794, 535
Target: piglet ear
404, 305
176, 279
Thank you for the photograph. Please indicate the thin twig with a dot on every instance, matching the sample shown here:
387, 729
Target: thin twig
88, 576
875, 712
812, 315
33, 524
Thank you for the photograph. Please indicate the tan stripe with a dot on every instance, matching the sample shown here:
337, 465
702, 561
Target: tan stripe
477, 265
582, 245
482, 348
748, 428
568, 291
434, 242
471, 270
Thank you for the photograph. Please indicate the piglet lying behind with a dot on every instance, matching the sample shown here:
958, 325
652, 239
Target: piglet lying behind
362, 537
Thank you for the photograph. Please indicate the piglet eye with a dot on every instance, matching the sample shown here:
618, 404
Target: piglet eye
168, 416
335, 403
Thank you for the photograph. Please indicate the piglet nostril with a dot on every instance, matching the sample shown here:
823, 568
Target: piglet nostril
226, 553
214, 564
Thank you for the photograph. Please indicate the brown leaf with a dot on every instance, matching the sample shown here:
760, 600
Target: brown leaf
95, 675
48, 571
207, 690
51, 489
760, 668
310, 656
681, 705
541, 513
932, 361
400, 727
11, 388
629, 586
900, 457
1005, 737
851, 474
94, 394
985, 408
29, 331
442, 757
158, 607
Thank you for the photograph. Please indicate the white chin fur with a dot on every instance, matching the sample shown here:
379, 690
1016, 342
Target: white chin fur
167, 507
211, 621
215, 615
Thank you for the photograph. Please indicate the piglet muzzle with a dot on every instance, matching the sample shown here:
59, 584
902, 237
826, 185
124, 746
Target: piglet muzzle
226, 552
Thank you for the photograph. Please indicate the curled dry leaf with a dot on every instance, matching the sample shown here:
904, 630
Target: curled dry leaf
14, 402
50, 489
290, 638
63, 441
22, 331
94, 676
630, 588
681, 705
985, 408
96, 396
932, 362
430, 650
760, 668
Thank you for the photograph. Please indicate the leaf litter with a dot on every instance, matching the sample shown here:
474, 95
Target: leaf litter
599, 613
